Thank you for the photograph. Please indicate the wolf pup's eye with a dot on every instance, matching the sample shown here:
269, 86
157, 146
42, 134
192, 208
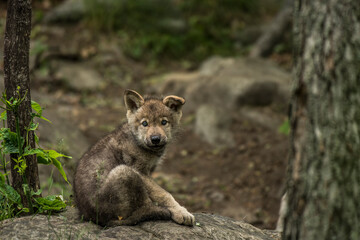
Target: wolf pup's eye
145, 123
164, 122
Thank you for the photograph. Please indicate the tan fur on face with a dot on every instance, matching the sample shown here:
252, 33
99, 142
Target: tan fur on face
153, 111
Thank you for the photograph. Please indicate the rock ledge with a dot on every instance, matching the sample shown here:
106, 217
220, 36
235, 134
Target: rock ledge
67, 226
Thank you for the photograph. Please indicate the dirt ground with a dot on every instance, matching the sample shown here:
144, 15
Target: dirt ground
244, 182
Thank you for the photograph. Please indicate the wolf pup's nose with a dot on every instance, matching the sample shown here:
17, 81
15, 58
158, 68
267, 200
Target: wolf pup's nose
155, 139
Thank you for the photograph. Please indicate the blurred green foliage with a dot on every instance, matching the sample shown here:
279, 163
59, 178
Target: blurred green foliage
182, 29
284, 128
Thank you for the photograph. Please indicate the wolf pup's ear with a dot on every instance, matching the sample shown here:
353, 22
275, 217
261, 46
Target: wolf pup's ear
174, 102
133, 100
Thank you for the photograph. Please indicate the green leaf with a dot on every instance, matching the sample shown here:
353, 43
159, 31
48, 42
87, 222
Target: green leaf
10, 144
10, 193
54, 154
20, 165
43, 118
25, 210
26, 188
33, 126
3, 116
32, 151
285, 128
14, 103
50, 203
37, 193
58, 165
50, 156
42, 159
36, 107
2, 178
36, 138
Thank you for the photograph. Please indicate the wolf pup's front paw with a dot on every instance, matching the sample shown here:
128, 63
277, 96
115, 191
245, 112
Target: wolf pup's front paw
181, 216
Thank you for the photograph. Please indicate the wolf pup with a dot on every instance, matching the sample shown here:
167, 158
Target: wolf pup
112, 182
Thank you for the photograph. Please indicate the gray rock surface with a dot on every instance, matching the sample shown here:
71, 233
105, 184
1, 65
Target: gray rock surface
231, 83
226, 85
67, 226
213, 125
68, 11
79, 76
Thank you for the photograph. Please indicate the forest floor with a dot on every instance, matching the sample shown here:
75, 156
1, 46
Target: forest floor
244, 182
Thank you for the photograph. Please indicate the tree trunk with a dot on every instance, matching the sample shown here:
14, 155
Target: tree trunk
324, 166
16, 73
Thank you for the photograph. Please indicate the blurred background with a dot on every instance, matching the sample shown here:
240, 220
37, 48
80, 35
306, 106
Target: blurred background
230, 59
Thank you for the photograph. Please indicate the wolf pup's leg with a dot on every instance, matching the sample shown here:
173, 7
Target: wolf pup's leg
123, 200
178, 213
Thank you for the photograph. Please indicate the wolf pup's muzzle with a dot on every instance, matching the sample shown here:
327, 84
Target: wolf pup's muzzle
155, 139
156, 142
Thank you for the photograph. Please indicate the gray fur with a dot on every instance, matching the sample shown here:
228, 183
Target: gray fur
112, 181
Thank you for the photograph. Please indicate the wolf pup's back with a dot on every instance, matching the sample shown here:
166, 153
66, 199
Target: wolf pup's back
112, 182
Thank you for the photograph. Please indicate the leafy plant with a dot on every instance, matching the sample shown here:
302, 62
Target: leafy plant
50, 203
10, 202
13, 143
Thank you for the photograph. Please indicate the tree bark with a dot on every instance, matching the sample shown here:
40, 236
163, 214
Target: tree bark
16, 74
324, 165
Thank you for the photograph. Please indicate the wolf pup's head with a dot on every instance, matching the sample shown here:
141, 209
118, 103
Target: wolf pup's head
153, 121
